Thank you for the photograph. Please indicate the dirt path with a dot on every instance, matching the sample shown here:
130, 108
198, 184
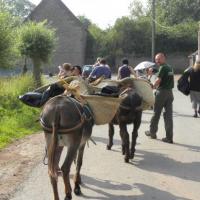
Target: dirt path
17, 161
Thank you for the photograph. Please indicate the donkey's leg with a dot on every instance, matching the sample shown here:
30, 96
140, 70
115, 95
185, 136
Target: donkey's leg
110, 134
77, 176
53, 179
125, 140
136, 124
71, 153
54, 183
55, 187
59, 150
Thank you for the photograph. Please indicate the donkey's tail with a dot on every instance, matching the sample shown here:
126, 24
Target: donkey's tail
53, 145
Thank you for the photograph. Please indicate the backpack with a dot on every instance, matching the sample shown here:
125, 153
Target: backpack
183, 84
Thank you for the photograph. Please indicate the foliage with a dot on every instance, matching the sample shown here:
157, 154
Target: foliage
8, 40
179, 38
176, 23
95, 42
16, 119
137, 9
173, 12
37, 41
85, 21
17, 8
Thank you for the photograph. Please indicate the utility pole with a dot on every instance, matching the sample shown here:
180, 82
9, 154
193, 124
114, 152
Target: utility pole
198, 54
153, 31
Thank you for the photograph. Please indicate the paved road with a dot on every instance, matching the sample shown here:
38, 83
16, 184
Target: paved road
159, 171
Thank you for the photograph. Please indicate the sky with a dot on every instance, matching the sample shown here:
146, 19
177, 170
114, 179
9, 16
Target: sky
103, 12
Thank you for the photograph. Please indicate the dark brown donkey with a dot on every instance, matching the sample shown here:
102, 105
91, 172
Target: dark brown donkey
129, 112
65, 124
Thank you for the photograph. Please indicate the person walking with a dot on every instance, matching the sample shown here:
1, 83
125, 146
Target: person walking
163, 99
125, 70
194, 82
99, 71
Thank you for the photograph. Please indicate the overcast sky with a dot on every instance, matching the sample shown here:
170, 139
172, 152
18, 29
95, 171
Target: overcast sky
103, 12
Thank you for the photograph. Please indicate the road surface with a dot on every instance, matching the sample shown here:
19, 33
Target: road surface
159, 171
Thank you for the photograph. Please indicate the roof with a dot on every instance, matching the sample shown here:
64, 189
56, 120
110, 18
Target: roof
62, 5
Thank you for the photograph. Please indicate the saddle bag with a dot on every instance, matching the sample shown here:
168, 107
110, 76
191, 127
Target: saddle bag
183, 84
32, 99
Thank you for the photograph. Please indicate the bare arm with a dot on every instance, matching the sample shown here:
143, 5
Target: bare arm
156, 83
118, 75
133, 72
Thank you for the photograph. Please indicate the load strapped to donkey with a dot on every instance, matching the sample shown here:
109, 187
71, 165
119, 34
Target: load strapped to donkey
102, 96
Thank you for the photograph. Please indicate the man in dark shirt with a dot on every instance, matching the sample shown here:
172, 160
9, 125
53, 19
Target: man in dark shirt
163, 99
125, 70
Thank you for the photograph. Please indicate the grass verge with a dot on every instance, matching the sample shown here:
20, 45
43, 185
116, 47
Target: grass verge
16, 119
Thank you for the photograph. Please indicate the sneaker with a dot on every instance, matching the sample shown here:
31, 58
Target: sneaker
151, 135
167, 140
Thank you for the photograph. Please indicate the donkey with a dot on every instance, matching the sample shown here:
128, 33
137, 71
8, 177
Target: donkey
65, 123
129, 111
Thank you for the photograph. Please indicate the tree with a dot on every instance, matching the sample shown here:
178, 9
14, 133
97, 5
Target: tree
137, 9
17, 8
132, 36
85, 21
173, 12
37, 42
8, 51
95, 42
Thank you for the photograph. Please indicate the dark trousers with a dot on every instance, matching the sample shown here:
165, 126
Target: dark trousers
163, 99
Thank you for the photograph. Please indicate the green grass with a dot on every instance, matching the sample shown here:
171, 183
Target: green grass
16, 119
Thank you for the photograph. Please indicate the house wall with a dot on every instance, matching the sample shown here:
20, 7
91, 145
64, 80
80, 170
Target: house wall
69, 31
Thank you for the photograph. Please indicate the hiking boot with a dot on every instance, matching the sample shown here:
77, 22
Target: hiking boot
167, 140
151, 135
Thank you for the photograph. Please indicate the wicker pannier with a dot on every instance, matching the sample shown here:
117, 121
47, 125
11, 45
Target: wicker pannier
103, 108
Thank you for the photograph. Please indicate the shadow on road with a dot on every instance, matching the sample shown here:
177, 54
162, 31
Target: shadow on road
160, 163
149, 161
105, 140
175, 114
98, 186
154, 193
189, 147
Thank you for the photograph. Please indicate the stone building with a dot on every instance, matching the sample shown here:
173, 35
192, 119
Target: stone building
70, 32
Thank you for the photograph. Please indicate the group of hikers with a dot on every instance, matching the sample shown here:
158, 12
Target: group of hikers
163, 85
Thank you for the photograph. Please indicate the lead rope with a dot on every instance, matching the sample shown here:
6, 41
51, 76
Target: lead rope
45, 159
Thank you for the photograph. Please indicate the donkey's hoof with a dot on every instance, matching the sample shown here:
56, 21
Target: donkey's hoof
108, 147
126, 160
68, 197
77, 190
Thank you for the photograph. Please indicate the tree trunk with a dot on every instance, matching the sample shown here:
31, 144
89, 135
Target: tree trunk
24, 67
37, 72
